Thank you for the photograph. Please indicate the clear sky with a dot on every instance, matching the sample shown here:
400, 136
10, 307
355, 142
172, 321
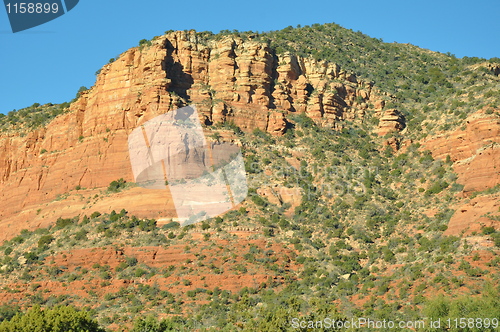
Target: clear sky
50, 62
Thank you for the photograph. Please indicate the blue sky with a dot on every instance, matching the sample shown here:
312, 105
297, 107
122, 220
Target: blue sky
50, 62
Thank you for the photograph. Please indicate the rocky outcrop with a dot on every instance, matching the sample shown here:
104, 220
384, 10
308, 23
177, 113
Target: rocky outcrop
474, 215
281, 195
277, 123
494, 68
390, 120
475, 151
322, 90
242, 81
231, 79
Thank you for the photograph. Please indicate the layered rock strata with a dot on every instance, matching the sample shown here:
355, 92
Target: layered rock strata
229, 80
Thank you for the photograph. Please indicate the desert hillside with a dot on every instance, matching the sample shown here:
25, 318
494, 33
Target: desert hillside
373, 172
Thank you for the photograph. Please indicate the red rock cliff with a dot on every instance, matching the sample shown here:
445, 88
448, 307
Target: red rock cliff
235, 80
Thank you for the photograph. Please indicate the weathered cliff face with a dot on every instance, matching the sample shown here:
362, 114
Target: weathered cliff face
475, 152
233, 80
243, 82
86, 147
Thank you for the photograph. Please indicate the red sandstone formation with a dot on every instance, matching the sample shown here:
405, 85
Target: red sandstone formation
475, 152
233, 80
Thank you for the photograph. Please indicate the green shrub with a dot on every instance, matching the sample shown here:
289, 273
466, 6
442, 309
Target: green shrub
31, 257
95, 215
152, 324
436, 188
131, 261
487, 304
259, 201
117, 185
81, 235
173, 224
113, 216
139, 272
58, 319
62, 223
144, 43
45, 240
8, 311
488, 230
147, 225
496, 239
